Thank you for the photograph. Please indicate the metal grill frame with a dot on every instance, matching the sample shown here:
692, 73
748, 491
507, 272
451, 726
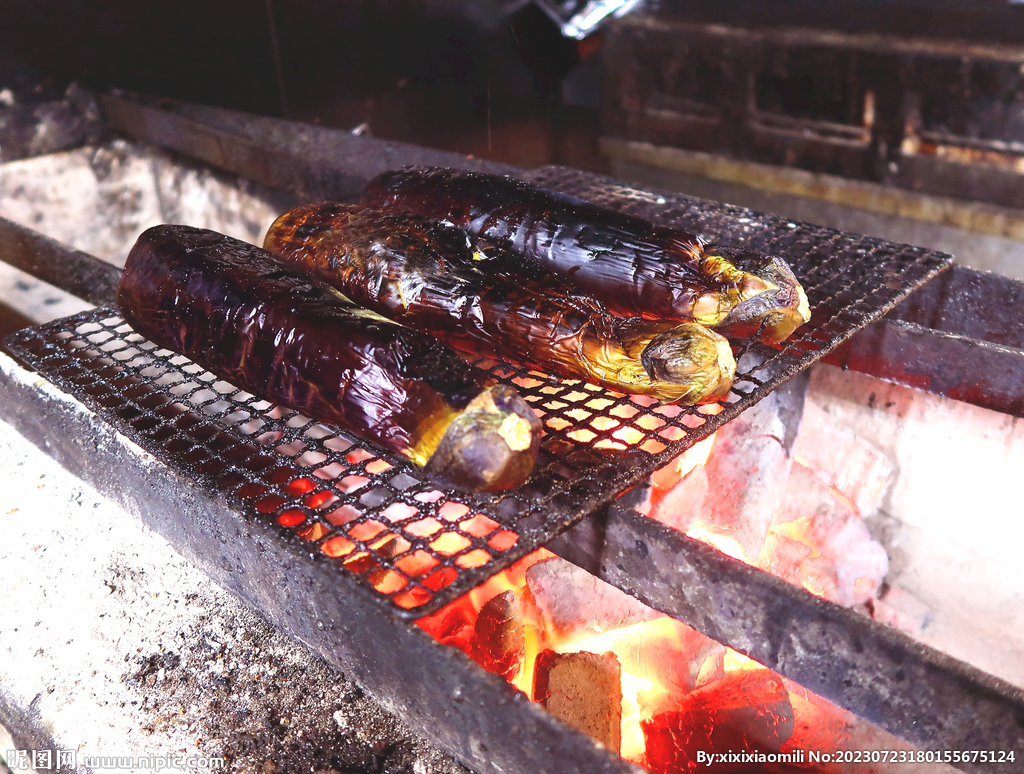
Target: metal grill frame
272, 463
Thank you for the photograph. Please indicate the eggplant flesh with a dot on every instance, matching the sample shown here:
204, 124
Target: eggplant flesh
433, 278
631, 265
251, 320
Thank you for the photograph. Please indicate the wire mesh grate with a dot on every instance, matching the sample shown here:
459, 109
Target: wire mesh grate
374, 515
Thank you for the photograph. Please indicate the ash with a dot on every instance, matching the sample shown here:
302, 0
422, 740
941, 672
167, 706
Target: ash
111, 643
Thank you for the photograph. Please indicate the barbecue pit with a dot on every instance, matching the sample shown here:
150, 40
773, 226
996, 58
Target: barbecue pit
788, 630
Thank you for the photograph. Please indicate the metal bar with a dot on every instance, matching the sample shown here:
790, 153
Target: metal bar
916, 693
791, 26
473, 714
958, 367
310, 161
974, 304
64, 267
961, 336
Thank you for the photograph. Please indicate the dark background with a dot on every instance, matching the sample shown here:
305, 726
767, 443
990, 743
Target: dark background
475, 76
410, 71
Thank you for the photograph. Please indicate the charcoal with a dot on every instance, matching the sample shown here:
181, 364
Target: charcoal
573, 603
902, 610
843, 461
818, 541
746, 711
738, 491
583, 689
499, 640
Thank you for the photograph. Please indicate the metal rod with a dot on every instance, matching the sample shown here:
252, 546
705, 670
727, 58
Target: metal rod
64, 267
310, 161
961, 335
956, 366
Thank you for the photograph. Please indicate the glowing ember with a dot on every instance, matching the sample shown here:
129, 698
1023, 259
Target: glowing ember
456, 624
727, 545
674, 691
665, 478
569, 640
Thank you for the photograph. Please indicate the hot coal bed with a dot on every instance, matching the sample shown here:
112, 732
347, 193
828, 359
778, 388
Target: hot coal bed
341, 546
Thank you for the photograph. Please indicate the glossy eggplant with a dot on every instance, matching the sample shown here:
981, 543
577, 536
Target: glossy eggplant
629, 264
253, 321
434, 278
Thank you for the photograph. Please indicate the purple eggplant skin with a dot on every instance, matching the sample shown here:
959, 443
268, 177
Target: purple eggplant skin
433, 278
629, 264
239, 312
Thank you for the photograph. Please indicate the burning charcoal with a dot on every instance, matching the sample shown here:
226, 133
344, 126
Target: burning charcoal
782, 555
452, 626
672, 657
738, 491
681, 505
583, 689
581, 612
843, 461
573, 603
746, 711
817, 574
498, 643
860, 562
820, 543
667, 657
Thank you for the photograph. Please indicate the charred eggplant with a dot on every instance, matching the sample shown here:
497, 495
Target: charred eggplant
253, 321
629, 264
436, 279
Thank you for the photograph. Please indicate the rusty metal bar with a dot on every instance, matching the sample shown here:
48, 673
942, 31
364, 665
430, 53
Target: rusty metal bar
977, 372
975, 304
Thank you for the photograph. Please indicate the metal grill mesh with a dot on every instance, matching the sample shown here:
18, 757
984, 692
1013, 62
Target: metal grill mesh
374, 515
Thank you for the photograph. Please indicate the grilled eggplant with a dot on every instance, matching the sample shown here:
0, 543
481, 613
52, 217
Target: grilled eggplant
434, 278
248, 318
630, 265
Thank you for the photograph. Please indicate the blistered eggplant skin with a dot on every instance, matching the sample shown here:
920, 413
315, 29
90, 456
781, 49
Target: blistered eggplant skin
433, 278
249, 319
614, 257
629, 264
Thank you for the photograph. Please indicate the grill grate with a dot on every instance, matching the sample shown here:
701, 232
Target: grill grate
374, 515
